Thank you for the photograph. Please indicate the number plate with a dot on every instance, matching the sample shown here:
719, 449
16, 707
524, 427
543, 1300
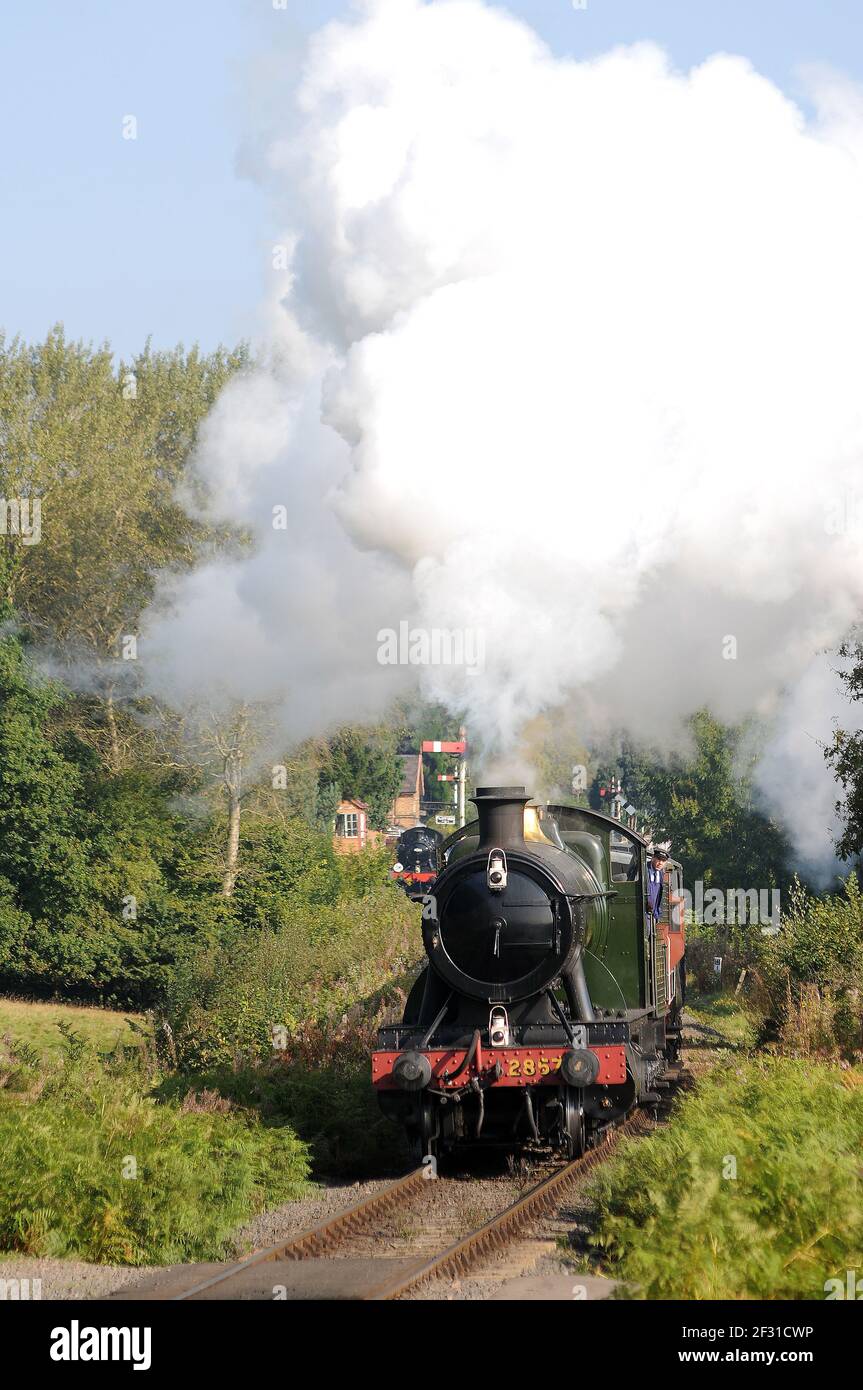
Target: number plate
534, 1065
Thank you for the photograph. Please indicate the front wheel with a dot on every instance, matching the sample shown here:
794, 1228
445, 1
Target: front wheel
574, 1137
423, 1131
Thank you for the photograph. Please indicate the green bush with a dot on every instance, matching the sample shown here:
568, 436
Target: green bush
673, 1223
821, 939
810, 974
201, 1167
285, 1021
331, 1106
282, 862
324, 978
704, 942
363, 873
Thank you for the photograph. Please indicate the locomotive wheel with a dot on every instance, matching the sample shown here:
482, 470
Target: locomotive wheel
575, 1139
423, 1136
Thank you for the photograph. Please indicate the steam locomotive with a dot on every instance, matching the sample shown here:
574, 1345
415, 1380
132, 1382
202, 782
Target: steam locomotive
551, 1002
418, 859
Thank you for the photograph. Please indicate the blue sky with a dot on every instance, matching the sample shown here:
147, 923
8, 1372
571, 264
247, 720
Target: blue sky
121, 239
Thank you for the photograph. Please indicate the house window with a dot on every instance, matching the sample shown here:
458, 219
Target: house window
349, 827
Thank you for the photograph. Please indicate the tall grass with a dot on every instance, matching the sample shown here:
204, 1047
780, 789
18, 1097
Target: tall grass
754, 1191
93, 1165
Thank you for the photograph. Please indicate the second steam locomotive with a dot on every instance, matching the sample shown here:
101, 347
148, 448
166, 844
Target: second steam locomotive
551, 1002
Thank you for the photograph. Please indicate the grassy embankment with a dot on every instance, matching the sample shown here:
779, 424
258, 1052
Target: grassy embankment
150, 1141
93, 1166
755, 1190
36, 1024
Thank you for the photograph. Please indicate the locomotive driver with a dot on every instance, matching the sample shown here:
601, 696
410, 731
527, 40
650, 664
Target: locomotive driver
655, 881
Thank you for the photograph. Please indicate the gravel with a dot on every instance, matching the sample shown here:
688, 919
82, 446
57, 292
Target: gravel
64, 1279
272, 1226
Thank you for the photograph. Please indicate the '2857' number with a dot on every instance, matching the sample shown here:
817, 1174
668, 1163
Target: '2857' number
531, 1066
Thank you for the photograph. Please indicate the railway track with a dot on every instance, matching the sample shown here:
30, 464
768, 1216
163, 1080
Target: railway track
455, 1259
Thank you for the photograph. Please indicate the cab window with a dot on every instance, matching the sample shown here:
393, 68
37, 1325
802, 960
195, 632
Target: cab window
625, 858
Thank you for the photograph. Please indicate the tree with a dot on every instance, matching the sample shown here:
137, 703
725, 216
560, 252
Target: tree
214, 744
91, 867
41, 836
103, 450
706, 805
364, 764
329, 794
845, 757
232, 745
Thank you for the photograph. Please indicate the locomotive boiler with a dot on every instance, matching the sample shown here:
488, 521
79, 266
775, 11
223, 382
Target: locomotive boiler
550, 1003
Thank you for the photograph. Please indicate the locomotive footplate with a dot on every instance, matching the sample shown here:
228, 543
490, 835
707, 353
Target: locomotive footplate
543, 1036
501, 1066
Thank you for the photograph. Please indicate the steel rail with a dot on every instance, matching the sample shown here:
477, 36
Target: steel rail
321, 1238
496, 1234
457, 1259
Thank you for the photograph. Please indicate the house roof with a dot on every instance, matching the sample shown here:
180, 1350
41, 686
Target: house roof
354, 801
410, 774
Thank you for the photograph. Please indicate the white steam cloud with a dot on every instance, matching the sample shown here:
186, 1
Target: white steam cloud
567, 352
792, 773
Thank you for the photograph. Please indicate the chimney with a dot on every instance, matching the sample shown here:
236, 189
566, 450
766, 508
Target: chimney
501, 816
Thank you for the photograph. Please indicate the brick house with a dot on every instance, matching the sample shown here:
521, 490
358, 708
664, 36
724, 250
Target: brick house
352, 832
352, 829
406, 807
